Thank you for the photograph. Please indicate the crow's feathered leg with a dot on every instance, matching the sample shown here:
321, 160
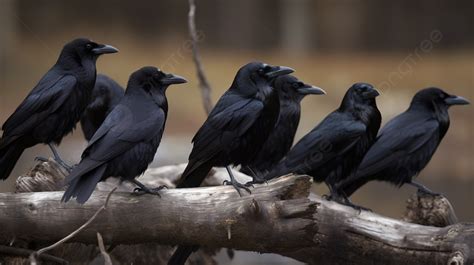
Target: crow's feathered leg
340, 197
343, 199
142, 189
57, 158
234, 182
333, 195
423, 188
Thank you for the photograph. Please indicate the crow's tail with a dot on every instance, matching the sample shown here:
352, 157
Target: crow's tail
181, 254
81, 186
193, 175
9, 155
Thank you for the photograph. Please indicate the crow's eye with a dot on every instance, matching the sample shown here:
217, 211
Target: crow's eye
88, 46
442, 96
296, 85
261, 71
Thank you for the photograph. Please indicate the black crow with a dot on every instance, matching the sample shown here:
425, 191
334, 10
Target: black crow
406, 144
127, 141
334, 148
290, 92
235, 130
238, 126
54, 106
106, 94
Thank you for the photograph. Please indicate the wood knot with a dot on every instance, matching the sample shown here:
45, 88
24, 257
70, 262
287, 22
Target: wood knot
300, 188
457, 258
250, 210
31, 207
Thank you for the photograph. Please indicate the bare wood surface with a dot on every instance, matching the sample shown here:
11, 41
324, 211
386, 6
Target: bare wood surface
49, 176
279, 217
426, 209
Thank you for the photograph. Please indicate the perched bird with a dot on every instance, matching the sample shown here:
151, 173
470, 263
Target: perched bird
238, 126
127, 140
235, 130
406, 144
290, 92
54, 106
334, 148
105, 96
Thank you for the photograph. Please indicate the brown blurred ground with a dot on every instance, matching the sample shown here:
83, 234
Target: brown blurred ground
421, 50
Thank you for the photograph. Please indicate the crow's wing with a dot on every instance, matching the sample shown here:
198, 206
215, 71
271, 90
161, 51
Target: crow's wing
121, 130
337, 134
403, 138
49, 94
223, 128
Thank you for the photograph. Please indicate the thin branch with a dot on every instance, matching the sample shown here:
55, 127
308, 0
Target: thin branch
23, 252
203, 83
74, 233
100, 242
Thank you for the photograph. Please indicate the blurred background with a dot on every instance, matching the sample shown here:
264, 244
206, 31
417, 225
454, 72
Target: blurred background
398, 46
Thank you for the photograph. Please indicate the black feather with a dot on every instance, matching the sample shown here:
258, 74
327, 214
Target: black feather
406, 143
127, 140
54, 106
105, 96
334, 148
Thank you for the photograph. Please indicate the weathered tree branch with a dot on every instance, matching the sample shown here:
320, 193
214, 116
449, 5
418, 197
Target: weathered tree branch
280, 217
48, 176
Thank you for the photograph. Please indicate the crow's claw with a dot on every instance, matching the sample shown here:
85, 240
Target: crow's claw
357, 207
429, 192
250, 184
41, 159
144, 190
237, 186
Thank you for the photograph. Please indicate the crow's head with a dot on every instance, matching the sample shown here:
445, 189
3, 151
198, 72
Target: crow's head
435, 98
254, 79
360, 94
290, 88
84, 49
152, 79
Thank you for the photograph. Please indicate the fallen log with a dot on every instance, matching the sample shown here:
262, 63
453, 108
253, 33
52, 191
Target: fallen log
279, 217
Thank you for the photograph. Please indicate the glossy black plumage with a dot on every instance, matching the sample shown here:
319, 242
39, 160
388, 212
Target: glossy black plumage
406, 144
290, 92
54, 106
105, 96
127, 140
334, 148
238, 125
235, 130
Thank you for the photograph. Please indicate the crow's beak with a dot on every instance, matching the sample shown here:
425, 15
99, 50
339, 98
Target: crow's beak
371, 93
171, 79
311, 90
277, 71
103, 48
455, 100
